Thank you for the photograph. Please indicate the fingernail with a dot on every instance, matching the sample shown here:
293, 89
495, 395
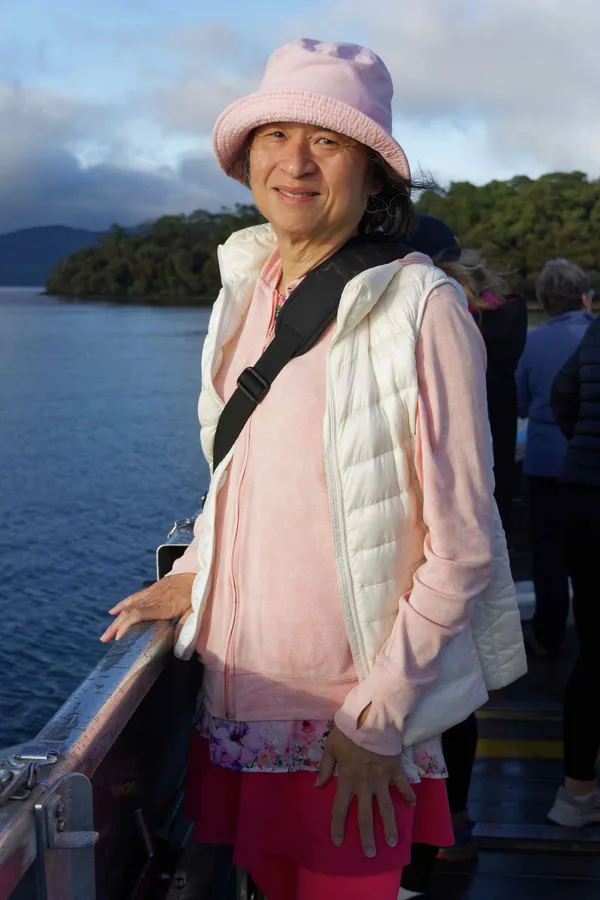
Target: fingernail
370, 852
392, 841
337, 841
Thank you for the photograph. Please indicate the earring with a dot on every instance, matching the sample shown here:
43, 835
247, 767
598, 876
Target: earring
374, 204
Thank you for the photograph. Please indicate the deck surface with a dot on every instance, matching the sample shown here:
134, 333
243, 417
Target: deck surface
518, 770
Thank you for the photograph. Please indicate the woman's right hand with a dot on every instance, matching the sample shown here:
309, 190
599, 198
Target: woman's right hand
169, 598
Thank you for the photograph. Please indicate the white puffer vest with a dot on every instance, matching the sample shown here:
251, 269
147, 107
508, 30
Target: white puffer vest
368, 440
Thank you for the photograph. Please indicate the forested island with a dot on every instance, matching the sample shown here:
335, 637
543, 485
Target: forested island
517, 225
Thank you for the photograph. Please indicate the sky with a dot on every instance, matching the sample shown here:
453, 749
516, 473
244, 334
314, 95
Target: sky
106, 109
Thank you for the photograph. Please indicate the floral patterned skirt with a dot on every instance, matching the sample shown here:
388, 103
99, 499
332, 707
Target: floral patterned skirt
295, 747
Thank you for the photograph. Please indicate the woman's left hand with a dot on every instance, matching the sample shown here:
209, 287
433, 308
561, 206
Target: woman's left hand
366, 776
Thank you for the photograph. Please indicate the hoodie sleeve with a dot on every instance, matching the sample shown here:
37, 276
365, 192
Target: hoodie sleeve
454, 466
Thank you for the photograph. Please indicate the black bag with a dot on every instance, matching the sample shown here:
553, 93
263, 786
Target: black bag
304, 317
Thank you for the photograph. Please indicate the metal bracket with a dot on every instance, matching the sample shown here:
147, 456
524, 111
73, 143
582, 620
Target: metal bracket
19, 772
66, 839
181, 525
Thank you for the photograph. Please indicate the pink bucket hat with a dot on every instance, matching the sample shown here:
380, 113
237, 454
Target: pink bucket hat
340, 87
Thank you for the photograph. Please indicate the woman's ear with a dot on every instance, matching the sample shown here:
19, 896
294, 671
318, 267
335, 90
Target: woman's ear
375, 186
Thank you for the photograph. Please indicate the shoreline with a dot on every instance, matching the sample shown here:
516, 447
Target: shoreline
174, 300
142, 300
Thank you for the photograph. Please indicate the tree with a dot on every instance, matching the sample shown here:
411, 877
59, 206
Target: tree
517, 225
172, 260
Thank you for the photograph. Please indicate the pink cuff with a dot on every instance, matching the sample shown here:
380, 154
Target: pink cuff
391, 700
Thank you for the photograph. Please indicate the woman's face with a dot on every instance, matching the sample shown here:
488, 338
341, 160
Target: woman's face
309, 183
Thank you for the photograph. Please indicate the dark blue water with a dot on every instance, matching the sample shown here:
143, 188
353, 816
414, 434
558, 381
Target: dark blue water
99, 453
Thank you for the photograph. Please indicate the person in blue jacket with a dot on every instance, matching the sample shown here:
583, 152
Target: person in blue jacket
565, 293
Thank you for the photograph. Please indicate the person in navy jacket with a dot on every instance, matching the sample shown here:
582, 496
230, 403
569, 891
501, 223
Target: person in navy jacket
575, 400
564, 291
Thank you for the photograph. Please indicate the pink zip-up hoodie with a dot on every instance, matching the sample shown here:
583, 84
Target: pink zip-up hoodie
273, 637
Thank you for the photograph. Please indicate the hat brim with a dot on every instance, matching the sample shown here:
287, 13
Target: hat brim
304, 107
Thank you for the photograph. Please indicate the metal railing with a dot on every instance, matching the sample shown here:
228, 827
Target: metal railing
46, 818
107, 769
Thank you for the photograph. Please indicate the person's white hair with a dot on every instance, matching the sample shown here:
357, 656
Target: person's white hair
561, 286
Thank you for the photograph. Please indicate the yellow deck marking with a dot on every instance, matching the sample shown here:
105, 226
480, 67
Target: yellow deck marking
520, 715
492, 748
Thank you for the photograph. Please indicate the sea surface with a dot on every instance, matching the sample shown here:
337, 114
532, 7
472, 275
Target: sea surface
99, 454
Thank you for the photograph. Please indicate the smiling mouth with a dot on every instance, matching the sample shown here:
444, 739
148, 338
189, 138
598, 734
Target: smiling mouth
296, 195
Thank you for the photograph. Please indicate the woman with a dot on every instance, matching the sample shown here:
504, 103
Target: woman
564, 291
348, 572
502, 320
575, 400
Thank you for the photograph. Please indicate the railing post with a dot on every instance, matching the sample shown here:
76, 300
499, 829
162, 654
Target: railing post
66, 839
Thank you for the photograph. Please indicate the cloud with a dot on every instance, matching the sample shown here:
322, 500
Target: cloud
522, 77
217, 65
192, 106
482, 90
528, 73
43, 181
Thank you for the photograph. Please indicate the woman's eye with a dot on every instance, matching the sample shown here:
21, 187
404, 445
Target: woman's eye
276, 134
326, 141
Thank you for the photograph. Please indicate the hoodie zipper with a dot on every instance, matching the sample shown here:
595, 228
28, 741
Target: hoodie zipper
229, 651
357, 648
229, 658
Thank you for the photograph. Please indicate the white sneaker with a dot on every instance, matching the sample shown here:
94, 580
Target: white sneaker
575, 812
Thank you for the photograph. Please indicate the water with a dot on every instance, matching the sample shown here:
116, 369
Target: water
99, 453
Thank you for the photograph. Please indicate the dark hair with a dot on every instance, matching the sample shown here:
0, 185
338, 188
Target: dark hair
391, 210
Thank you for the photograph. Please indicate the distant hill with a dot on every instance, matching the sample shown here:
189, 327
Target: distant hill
172, 261
28, 257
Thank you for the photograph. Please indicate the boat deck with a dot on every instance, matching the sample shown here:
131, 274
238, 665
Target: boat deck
518, 770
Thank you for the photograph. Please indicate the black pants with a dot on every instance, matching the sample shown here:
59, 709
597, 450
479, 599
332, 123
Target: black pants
549, 561
460, 747
581, 719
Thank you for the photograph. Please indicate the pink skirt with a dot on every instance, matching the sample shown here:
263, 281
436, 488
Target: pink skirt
284, 815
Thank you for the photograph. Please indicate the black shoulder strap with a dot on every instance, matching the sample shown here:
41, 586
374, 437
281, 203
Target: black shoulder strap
304, 317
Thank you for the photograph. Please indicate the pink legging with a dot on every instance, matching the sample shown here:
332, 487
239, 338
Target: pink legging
282, 879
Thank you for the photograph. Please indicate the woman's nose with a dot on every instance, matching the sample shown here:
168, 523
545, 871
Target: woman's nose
297, 162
